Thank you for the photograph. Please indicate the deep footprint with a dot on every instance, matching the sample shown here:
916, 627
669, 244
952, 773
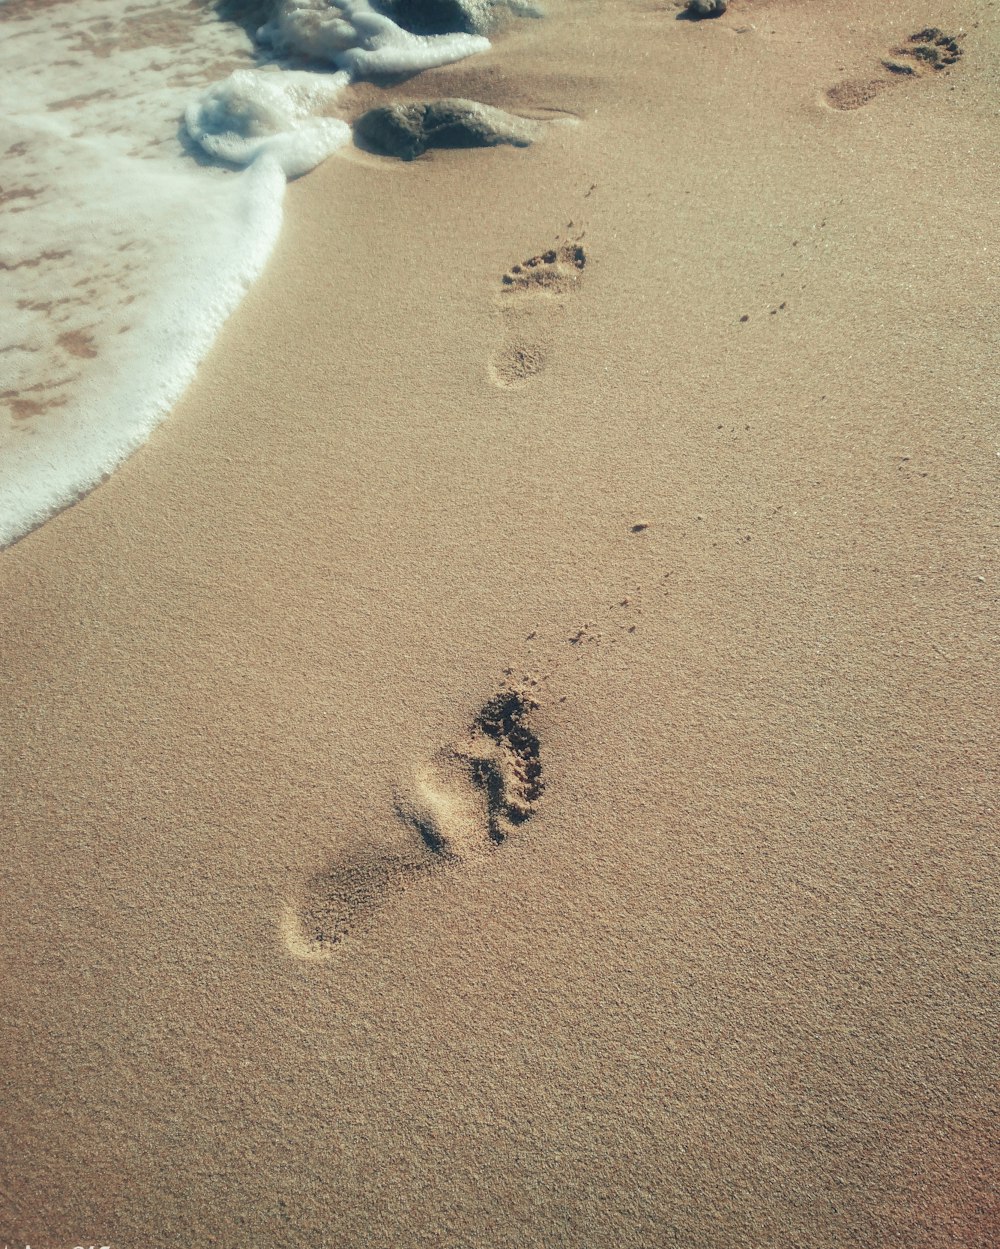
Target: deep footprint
927, 52
509, 769
469, 800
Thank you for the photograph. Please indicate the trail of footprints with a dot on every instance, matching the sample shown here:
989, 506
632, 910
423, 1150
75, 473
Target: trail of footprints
465, 803
925, 53
481, 790
529, 306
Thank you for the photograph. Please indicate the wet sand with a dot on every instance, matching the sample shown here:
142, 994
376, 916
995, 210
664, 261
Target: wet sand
306, 944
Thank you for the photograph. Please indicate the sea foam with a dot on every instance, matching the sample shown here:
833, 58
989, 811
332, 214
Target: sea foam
354, 36
253, 113
123, 247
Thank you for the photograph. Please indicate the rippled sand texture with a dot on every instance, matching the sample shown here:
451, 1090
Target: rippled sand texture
511, 763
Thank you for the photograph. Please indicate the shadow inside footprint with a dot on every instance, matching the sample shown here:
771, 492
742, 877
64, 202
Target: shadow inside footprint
471, 797
347, 896
929, 49
557, 269
510, 774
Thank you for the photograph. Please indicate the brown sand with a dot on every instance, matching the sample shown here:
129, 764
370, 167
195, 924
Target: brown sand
733, 981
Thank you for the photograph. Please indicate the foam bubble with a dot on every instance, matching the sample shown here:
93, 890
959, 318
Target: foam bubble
354, 36
252, 114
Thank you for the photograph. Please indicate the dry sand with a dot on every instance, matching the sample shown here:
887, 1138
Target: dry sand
733, 983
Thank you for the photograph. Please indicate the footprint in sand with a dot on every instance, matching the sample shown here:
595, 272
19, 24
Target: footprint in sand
531, 299
925, 53
476, 793
471, 797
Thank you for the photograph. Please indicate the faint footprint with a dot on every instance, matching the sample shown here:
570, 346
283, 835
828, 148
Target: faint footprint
346, 897
927, 52
467, 801
855, 92
532, 295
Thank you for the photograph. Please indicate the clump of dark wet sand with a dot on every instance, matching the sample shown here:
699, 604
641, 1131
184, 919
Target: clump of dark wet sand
698, 9
408, 130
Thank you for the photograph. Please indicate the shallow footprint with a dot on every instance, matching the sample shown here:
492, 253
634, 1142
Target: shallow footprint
927, 52
346, 897
531, 300
471, 797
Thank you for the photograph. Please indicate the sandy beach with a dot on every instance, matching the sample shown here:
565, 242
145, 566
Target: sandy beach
511, 763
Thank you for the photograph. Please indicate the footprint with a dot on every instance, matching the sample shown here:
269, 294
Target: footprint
466, 802
479, 791
927, 52
532, 297
855, 92
504, 758
438, 808
346, 897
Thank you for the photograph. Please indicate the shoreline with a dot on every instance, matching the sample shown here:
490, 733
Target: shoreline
730, 982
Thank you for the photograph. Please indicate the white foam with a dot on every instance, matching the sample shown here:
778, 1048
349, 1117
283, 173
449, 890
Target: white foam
256, 112
353, 36
253, 114
121, 256
231, 227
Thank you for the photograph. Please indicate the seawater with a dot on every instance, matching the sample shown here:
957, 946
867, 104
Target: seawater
144, 153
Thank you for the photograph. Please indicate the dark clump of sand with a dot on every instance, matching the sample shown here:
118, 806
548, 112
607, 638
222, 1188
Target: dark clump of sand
408, 130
